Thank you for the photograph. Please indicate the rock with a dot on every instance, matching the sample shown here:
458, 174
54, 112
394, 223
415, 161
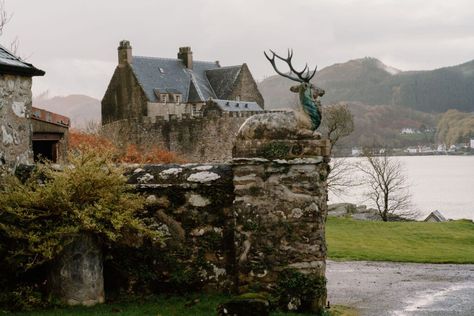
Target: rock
203, 177
244, 307
198, 200
145, 178
280, 125
170, 172
77, 277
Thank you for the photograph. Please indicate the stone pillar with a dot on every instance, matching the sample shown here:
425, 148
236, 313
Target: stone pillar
77, 277
280, 206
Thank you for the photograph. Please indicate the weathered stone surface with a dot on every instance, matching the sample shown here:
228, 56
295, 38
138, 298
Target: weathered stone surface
15, 125
193, 204
280, 202
77, 277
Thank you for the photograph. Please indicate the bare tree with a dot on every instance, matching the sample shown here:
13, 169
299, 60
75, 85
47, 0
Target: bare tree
5, 17
338, 122
388, 186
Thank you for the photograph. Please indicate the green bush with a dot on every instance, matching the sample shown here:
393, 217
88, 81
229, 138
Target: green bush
42, 214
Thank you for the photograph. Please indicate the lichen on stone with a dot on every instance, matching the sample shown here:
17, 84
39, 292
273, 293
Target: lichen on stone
165, 174
203, 177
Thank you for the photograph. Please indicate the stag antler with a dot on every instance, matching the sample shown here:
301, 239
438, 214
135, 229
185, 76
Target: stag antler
301, 77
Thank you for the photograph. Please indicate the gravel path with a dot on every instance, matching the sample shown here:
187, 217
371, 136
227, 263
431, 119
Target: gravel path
402, 289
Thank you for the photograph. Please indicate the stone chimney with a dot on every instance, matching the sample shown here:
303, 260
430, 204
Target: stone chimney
186, 56
124, 53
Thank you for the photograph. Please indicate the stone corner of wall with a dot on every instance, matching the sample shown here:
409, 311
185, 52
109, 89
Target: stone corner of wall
282, 149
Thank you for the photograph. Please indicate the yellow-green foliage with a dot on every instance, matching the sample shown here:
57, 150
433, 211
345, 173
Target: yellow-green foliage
40, 216
455, 126
447, 242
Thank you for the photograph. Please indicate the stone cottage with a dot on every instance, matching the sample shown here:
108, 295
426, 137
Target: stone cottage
15, 109
163, 87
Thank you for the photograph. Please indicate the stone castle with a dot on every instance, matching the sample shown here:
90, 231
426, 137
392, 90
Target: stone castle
190, 107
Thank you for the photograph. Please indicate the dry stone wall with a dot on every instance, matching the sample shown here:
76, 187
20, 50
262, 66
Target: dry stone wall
15, 125
192, 206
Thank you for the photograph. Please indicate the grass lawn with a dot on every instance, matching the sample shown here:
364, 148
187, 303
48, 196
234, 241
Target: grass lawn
448, 242
160, 306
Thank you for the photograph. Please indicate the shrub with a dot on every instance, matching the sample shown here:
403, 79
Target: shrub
80, 141
41, 215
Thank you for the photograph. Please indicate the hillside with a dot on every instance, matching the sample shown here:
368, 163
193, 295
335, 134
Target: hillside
369, 81
81, 109
380, 125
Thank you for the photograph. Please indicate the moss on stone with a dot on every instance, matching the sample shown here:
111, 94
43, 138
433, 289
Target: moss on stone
274, 150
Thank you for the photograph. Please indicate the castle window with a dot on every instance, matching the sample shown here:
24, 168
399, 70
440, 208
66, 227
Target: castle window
163, 98
194, 108
177, 98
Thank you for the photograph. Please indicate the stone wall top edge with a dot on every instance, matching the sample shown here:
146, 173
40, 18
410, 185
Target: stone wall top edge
294, 161
174, 175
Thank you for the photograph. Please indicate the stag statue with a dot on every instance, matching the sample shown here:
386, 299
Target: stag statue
308, 93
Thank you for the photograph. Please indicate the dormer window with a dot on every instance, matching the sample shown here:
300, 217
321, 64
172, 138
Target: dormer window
161, 70
164, 98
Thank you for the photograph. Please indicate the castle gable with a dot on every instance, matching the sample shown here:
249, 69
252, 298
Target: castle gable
223, 79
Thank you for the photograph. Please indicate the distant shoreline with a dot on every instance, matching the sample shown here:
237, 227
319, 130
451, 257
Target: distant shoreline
410, 155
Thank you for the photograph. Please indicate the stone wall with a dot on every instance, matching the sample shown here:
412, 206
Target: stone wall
206, 139
192, 205
15, 125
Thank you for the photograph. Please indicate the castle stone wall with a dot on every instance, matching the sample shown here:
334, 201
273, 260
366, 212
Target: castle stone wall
205, 139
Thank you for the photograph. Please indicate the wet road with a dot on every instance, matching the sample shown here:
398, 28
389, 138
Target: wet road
402, 289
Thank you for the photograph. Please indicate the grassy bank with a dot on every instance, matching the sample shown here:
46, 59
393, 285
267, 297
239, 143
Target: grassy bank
448, 242
162, 306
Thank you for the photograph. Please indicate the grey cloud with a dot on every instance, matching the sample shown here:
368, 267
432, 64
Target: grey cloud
417, 34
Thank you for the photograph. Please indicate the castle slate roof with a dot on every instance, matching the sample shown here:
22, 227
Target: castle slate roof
223, 79
11, 64
236, 106
166, 74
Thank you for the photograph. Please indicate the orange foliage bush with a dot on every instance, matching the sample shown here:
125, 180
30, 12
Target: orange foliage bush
131, 154
79, 140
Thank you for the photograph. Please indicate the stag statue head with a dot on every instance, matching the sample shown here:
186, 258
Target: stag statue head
308, 93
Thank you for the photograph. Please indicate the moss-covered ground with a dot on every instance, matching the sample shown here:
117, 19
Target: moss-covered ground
447, 242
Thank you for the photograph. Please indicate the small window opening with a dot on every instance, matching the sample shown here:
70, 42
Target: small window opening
164, 98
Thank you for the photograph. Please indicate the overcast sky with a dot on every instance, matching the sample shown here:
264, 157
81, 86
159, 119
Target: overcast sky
75, 41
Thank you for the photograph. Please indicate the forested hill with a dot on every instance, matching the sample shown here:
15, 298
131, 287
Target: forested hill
369, 81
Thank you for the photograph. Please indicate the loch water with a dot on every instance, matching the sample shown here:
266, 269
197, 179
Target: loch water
444, 183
